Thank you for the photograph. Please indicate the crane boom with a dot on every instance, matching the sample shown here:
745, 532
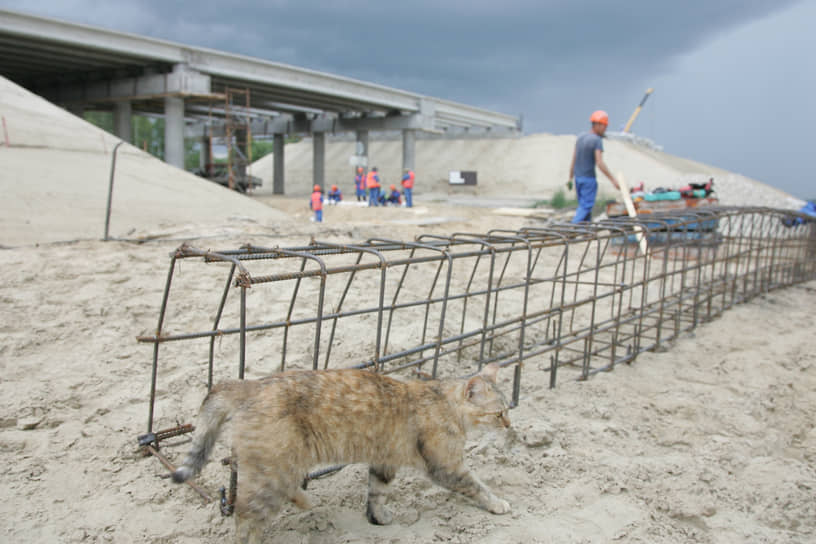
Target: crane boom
637, 110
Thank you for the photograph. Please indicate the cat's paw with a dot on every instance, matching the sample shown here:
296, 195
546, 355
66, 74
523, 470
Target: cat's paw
379, 515
498, 506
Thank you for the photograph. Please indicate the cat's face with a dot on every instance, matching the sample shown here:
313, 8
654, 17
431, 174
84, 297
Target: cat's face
484, 403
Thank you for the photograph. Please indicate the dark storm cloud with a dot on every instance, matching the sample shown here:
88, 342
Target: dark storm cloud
484, 53
480, 52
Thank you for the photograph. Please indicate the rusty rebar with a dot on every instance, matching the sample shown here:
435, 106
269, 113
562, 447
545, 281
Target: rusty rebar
576, 299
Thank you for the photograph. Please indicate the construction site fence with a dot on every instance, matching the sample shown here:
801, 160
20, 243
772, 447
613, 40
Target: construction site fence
567, 300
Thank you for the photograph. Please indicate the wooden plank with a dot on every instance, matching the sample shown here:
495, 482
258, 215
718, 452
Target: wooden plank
630, 209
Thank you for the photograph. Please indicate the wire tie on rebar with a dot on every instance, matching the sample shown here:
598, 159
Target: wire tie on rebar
243, 280
226, 508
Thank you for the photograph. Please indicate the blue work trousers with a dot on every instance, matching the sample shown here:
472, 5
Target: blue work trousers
587, 190
318, 216
408, 191
374, 196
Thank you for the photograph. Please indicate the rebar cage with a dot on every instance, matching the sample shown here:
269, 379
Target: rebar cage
569, 300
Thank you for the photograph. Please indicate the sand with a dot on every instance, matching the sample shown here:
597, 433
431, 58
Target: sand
711, 440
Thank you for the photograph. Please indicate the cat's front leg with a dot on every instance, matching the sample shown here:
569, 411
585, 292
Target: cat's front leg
494, 504
463, 481
378, 479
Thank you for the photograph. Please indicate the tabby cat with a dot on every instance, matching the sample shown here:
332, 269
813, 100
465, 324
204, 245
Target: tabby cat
287, 423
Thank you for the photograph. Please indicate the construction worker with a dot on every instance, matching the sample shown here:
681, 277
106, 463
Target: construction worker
408, 186
395, 199
587, 155
335, 195
373, 186
360, 184
316, 204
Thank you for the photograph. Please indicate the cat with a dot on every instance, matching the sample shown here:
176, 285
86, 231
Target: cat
287, 423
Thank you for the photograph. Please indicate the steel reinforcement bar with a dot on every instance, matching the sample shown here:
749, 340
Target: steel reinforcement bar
574, 300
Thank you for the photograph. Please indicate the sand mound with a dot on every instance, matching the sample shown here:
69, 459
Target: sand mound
56, 174
527, 169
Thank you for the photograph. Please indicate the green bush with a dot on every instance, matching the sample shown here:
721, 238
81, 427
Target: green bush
559, 200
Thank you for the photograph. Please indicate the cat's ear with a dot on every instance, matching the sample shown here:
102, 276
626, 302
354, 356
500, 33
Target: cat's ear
475, 387
489, 372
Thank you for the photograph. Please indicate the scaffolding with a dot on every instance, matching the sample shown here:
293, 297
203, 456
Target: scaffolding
234, 115
566, 300
237, 123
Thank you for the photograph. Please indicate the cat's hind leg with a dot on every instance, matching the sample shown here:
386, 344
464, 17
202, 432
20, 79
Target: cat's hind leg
257, 501
379, 478
248, 529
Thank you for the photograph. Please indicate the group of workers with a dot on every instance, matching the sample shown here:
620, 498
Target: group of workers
587, 156
370, 182
367, 186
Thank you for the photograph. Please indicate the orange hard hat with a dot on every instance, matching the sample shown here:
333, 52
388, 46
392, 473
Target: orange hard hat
393, 187
334, 187
599, 116
359, 169
317, 188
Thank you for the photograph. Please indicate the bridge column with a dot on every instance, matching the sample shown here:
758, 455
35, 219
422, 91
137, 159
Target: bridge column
319, 158
174, 131
408, 148
205, 157
277, 164
362, 144
122, 112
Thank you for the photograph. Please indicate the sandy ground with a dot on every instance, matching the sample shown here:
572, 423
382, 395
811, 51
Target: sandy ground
712, 440
709, 441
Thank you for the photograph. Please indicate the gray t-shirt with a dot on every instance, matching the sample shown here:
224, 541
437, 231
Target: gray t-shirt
585, 148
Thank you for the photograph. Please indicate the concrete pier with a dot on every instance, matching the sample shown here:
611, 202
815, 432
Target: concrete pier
319, 158
122, 127
408, 149
174, 131
277, 166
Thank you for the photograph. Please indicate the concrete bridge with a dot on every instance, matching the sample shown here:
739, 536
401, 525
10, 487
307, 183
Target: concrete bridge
81, 67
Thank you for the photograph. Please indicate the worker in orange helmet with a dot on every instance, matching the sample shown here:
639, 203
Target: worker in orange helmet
335, 195
394, 198
360, 184
373, 186
316, 204
588, 155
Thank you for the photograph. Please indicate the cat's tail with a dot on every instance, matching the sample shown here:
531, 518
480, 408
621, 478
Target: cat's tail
215, 410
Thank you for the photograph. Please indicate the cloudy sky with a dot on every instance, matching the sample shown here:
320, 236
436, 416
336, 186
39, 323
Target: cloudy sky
734, 80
